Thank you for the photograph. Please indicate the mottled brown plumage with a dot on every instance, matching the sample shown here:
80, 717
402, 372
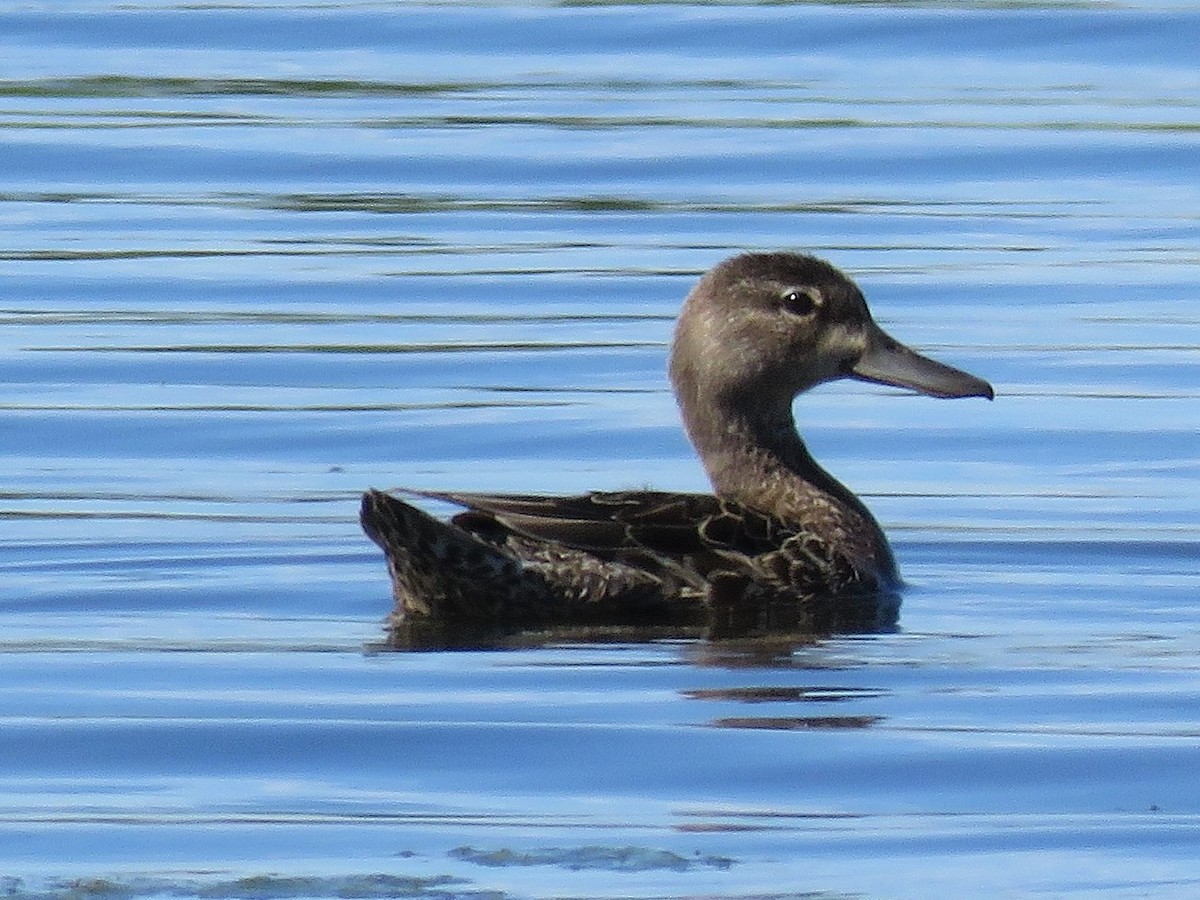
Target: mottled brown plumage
780, 542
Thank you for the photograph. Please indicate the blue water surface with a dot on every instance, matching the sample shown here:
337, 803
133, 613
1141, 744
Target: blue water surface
257, 257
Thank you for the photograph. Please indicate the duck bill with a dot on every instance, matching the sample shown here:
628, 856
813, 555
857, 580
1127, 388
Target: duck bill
887, 361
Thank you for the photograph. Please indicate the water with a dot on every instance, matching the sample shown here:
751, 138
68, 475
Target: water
256, 258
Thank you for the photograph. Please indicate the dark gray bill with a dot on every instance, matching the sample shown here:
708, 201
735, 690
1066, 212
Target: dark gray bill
887, 361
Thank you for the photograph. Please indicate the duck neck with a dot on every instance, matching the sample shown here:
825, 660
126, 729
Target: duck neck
758, 458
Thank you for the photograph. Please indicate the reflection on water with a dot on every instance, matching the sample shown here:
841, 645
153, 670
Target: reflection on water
815, 694
797, 723
745, 620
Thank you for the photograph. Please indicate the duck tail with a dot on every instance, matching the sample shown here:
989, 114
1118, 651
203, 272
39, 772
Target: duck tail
439, 572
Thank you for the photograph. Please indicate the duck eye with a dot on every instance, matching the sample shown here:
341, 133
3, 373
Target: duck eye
799, 302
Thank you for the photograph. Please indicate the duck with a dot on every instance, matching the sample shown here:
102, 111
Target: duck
779, 543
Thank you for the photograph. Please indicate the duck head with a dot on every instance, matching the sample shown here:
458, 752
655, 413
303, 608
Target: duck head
760, 328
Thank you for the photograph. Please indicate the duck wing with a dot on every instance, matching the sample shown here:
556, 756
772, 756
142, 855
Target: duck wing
688, 537
691, 535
